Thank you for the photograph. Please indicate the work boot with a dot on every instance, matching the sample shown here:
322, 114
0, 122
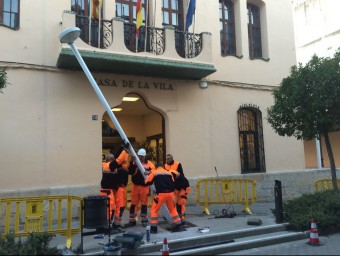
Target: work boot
177, 227
130, 224
153, 230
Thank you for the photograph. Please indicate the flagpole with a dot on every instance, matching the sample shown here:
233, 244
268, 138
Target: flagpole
146, 22
154, 28
136, 43
194, 38
99, 21
90, 21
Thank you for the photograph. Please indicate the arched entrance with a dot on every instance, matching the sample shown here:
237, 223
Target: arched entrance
143, 126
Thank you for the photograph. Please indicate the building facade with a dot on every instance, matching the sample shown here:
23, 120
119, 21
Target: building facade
317, 32
202, 93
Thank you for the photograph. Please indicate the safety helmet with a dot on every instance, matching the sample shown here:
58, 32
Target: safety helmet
141, 152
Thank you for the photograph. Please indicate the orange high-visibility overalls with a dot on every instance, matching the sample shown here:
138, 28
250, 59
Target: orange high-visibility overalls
182, 188
164, 184
122, 180
139, 192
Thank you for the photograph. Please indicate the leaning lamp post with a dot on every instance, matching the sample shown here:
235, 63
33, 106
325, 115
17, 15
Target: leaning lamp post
68, 36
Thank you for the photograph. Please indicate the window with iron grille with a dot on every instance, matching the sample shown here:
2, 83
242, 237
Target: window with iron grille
227, 27
172, 13
10, 13
254, 31
251, 140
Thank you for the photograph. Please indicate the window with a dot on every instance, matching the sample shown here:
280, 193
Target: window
126, 9
254, 32
227, 27
251, 140
172, 13
9, 13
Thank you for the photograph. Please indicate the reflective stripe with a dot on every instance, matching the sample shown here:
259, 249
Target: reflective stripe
314, 235
175, 217
313, 225
153, 218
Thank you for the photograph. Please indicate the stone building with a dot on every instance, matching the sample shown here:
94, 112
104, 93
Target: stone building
202, 94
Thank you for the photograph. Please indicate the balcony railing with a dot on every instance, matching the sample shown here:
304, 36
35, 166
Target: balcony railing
111, 46
151, 39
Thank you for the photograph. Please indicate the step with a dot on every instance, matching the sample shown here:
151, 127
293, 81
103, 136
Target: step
206, 239
244, 244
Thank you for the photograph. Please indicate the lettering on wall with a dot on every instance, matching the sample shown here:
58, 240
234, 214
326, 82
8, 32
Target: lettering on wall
135, 84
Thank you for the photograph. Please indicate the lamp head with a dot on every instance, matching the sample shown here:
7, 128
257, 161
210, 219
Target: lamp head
69, 35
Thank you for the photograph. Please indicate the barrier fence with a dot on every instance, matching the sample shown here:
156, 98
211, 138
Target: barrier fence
324, 184
225, 191
52, 214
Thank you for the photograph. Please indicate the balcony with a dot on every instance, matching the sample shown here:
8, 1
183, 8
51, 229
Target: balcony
159, 52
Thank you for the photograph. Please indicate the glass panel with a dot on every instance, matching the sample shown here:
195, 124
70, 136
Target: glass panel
226, 14
7, 6
6, 19
118, 10
165, 3
15, 6
174, 19
174, 4
166, 18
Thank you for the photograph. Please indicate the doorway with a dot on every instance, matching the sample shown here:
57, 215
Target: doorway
143, 126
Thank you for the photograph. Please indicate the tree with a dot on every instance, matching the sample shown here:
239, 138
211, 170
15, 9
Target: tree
3, 79
307, 103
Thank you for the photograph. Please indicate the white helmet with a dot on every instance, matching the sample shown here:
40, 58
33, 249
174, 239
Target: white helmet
141, 152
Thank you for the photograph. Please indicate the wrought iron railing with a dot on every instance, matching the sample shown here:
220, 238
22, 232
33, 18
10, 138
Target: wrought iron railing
188, 45
101, 40
150, 40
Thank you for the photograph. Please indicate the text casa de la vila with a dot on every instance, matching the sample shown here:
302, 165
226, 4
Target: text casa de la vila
134, 84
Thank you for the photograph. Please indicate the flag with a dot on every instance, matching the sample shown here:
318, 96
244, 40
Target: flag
190, 14
139, 16
96, 4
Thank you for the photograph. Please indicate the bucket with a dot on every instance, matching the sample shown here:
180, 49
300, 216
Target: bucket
113, 248
95, 211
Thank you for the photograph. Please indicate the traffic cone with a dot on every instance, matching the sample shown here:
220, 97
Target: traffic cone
314, 237
165, 249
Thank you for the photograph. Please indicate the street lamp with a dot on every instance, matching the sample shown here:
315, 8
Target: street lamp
68, 36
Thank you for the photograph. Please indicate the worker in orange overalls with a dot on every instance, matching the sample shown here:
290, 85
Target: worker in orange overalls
182, 186
164, 182
108, 184
139, 192
121, 166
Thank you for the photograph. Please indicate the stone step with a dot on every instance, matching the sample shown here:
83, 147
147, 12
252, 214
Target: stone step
195, 244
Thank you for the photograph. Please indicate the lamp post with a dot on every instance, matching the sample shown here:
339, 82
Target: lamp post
68, 36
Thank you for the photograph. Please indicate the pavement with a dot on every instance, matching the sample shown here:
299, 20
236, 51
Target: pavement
201, 226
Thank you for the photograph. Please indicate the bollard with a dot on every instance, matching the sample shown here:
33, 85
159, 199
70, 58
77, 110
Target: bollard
278, 202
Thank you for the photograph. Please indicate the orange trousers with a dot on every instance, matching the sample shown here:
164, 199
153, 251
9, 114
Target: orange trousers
120, 205
181, 197
158, 201
139, 195
110, 193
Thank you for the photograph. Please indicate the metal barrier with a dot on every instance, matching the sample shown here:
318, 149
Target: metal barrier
225, 191
52, 214
324, 184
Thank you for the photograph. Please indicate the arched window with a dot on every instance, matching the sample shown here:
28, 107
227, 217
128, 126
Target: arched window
9, 13
227, 27
251, 139
172, 13
254, 31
